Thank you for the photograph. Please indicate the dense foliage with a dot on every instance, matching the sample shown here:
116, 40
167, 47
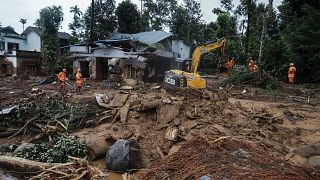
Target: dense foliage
50, 20
56, 151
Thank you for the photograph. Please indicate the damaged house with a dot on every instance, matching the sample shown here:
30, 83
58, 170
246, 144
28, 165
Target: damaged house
145, 55
20, 53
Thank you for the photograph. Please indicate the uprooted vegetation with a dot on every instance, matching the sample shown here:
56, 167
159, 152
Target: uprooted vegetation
241, 75
56, 150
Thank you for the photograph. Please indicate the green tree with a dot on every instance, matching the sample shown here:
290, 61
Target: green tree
128, 17
76, 26
104, 19
23, 22
247, 10
301, 29
157, 14
50, 21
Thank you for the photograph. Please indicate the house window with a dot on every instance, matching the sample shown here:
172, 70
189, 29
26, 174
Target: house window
12, 46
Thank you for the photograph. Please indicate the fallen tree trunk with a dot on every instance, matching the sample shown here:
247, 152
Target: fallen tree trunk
8, 133
23, 165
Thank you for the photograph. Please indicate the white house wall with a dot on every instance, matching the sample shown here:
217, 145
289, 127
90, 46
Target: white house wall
181, 48
33, 42
22, 42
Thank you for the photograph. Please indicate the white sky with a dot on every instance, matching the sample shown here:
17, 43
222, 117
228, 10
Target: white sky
12, 10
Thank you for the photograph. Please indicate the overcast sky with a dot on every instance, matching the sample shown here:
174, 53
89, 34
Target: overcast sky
12, 10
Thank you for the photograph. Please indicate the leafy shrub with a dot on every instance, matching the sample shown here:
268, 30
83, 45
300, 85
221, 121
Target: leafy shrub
58, 152
241, 75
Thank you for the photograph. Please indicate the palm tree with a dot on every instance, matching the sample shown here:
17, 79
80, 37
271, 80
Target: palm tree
75, 10
23, 22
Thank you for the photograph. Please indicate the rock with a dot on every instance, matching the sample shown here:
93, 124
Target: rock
172, 134
313, 162
97, 147
308, 150
22, 147
187, 125
176, 122
124, 155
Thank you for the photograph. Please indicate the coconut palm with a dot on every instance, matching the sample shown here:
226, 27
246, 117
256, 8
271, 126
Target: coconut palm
23, 22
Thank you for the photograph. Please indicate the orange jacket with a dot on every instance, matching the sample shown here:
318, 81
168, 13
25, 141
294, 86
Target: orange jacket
251, 65
62, 76
79, 79
230, 64
291, 72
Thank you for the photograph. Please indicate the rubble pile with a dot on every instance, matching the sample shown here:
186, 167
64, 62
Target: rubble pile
180, 135
225, 158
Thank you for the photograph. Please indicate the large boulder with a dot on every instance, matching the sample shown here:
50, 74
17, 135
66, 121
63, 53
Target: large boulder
308, 150
124, 155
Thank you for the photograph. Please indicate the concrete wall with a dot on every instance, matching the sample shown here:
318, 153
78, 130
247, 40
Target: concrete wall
33, 42
181, 48
22, 42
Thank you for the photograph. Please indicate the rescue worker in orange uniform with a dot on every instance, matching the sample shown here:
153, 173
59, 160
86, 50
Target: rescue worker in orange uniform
252, 65
62, 77
79, 81
230, 64
291, 73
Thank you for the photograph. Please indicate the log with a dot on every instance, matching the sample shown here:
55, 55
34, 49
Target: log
23, 165
148, 105
97, 147
8, 133
124, 112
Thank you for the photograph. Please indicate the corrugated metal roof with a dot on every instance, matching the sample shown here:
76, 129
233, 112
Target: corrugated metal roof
149, 37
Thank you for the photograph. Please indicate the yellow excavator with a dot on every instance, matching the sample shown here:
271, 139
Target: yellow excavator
188, 76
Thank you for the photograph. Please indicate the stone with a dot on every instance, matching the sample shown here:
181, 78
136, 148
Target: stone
308, 150
124, 155
172, 134
313, 162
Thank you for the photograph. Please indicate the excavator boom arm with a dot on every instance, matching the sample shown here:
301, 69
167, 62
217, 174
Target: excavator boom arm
196, 55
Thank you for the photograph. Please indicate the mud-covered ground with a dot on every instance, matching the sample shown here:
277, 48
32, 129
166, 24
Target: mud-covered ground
273, 122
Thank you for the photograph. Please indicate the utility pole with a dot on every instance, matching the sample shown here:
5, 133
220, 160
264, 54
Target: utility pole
141, 15
92, 22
